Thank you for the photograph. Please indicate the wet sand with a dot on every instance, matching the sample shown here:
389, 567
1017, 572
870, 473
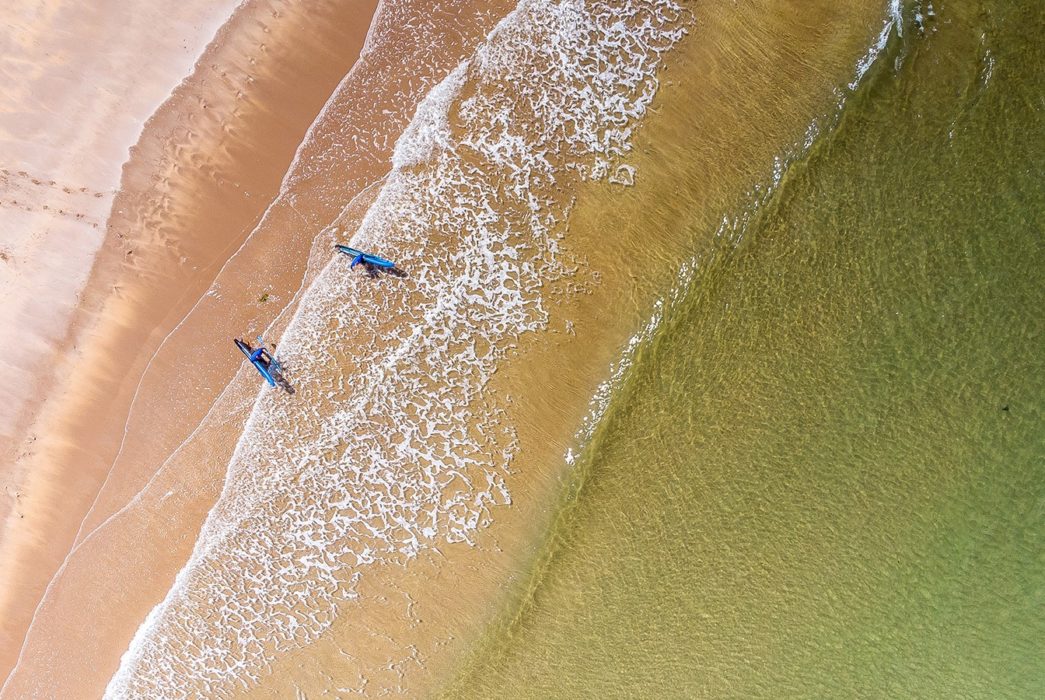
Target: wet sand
70, 109
176, 201
208, 163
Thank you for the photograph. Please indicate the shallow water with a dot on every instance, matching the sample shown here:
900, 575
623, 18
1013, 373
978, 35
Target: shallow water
394, 445
823, 475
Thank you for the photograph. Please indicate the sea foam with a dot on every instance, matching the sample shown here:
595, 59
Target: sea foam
393, 443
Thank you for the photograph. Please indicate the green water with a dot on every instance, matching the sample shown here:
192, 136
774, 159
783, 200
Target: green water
825, 477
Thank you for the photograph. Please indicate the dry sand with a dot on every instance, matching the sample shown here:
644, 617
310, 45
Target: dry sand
79, 81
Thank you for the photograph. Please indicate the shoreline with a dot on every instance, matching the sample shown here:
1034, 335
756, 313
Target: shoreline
452, 588
192, 153
442, 604
181, 471
280, 232
56, 191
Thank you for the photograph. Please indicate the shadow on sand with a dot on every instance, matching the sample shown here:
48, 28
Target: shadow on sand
277, 369
374, 272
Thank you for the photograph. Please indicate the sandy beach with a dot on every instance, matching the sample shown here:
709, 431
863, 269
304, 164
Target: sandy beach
140, 447
69, 116
189, 199
208, 162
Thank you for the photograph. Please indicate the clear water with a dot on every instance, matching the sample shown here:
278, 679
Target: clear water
825, 474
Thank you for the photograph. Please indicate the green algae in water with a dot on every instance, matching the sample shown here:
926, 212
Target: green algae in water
825, 477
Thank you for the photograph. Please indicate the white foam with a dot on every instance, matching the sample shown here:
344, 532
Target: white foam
893, 21
429, 131
392, 447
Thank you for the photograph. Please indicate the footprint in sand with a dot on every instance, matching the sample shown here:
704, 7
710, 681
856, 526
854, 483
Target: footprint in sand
40, 182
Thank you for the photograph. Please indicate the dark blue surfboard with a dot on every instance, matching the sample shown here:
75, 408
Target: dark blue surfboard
258, 364
366, 257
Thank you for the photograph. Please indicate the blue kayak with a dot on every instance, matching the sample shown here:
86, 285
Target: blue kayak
258, 364
359, 256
